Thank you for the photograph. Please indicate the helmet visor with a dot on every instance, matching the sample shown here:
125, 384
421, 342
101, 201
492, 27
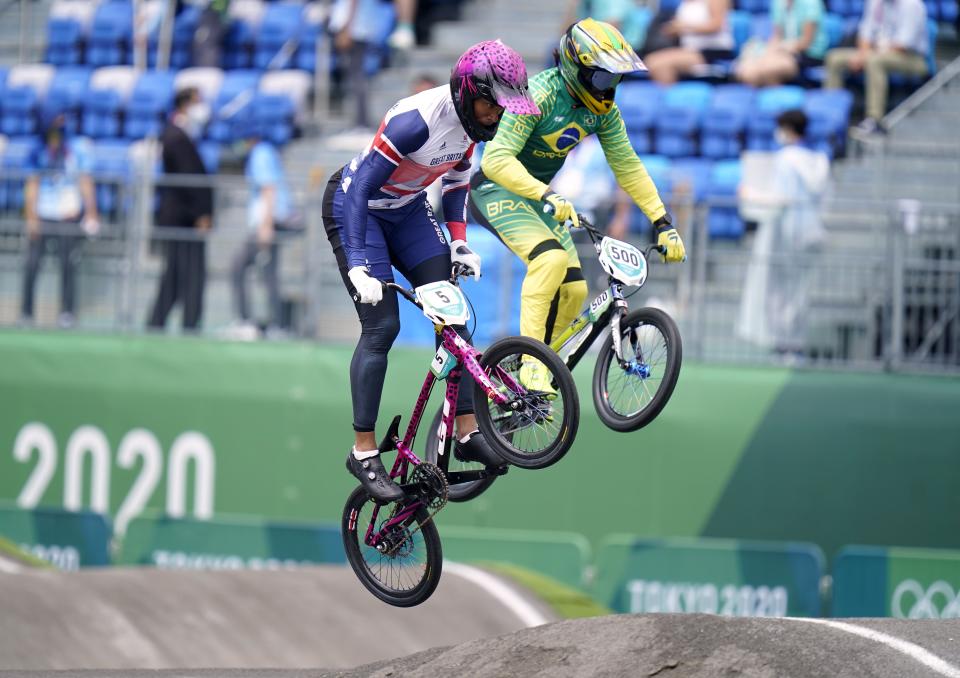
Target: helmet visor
515, 99
601, 81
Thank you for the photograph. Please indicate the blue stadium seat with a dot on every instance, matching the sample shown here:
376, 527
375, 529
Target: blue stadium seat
110, 35
948, 11
306, 56
740, 25
20, 107
754, 6
723, 219
64, 41
101, 113
761, 27
66, 95
111, 169
276, 41
210, 154
273, 115
17, 160
232, 109
691, 175
770, 103
238, 44
638, 103
724, 124
181, 41
829, 114
658, 167
678, 119
151, 99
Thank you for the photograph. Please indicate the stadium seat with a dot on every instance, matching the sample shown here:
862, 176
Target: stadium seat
690, 176
638, 103
207, 80
66, 95
829, 115
769, 103
231, 110
273, 114
35, 76
761, 28
210, 154
658, 167
111, 169
724, 124
294, 85
181, 40
64, 42
151, 99
277, 40
740, 24
678, 118
723, 218
110, 88
311, 30
948, 11
245, 17
16, 162
20, 108
110, 34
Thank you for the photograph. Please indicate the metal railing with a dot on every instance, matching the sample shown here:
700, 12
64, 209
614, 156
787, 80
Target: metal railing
884, 295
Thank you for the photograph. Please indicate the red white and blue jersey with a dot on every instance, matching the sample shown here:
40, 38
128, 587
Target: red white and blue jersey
420, 140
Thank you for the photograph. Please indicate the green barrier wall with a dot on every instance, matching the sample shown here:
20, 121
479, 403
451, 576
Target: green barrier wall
67, 540
228, 544
198, 428
563, 556
733, 578
896, 582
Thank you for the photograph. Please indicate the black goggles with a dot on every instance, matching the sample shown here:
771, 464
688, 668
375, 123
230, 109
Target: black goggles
601, 81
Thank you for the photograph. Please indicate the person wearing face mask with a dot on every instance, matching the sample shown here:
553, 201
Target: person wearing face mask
776, 289
188, 208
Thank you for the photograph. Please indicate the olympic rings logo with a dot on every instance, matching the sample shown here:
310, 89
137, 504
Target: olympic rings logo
939, 601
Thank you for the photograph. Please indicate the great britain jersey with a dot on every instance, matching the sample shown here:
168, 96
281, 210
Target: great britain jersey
420, 140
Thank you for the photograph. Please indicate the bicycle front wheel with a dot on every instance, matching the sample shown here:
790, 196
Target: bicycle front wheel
629, 396
542, 429
405, 570
459, 492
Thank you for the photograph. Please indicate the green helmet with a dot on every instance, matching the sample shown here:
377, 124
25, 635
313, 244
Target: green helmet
592, 58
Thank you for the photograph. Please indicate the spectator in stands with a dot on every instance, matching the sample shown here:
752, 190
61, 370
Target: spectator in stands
799, 41
60, 206
269, 211
776, 288
613, 12
208, 38
703, 37
892, 38
404, 37
351, 23
187, 208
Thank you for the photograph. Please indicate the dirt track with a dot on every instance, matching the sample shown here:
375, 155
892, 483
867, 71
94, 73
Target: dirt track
130, 619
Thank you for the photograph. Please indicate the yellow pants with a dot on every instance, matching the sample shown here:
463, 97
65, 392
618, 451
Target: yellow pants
554, 289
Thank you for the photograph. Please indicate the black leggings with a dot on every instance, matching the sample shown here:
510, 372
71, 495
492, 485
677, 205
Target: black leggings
380, 326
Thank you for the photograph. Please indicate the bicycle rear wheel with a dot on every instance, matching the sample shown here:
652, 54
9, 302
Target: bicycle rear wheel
461, 491
630, 396
406, 570
543, 429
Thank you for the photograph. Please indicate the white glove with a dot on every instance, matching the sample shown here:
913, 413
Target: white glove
369, 289
461, 254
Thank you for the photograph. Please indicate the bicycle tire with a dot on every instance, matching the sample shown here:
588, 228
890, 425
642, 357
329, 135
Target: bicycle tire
460, 492
353, 529
673, 352
510, 427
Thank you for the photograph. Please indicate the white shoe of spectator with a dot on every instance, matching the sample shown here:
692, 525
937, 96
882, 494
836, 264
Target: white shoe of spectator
402, 38
242, 331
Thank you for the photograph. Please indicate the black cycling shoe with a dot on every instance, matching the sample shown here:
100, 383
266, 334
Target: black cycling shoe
374, 478
476, 449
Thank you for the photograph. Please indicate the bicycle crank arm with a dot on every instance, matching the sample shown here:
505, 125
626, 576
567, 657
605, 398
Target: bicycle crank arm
458, 477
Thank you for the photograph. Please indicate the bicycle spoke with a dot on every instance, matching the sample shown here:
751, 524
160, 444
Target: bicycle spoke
629, 393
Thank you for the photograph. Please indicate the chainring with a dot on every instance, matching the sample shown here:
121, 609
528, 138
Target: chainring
434, 484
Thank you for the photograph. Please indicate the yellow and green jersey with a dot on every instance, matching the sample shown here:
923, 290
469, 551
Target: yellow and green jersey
530, 149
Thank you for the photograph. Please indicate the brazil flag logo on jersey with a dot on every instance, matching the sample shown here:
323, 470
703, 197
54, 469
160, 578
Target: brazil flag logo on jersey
563, 140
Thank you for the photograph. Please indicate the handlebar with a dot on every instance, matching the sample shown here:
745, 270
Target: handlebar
457, 271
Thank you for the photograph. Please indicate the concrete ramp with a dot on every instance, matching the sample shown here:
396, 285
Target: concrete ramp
129, 618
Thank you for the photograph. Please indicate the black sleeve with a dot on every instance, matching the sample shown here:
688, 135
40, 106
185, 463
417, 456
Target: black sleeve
180, 156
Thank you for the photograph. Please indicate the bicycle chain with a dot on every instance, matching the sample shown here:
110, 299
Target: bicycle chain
437, 503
